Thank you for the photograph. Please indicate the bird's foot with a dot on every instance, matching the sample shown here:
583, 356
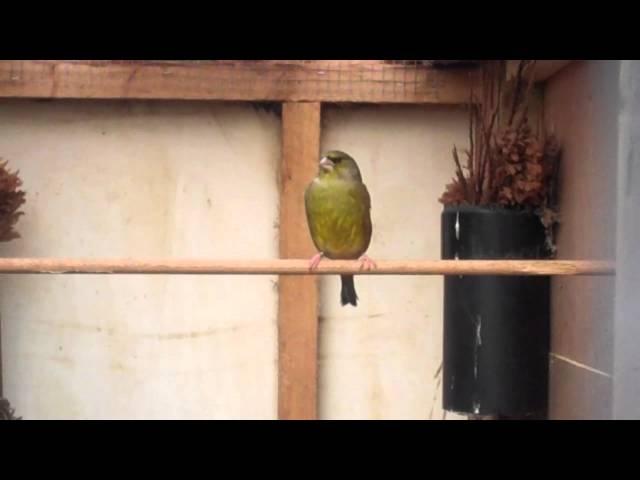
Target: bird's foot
366, 263
315, 260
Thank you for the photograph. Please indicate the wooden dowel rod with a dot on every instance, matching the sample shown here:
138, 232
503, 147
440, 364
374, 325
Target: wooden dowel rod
301, 267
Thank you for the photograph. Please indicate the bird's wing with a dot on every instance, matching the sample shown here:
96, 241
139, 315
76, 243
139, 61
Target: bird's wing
360, 193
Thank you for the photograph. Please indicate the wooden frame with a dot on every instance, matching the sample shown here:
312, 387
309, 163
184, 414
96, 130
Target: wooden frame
301, 86
254, 81
297, 297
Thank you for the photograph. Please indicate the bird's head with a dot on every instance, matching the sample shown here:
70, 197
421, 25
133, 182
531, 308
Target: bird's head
337, 164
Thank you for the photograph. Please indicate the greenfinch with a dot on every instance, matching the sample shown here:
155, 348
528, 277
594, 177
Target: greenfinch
338, 208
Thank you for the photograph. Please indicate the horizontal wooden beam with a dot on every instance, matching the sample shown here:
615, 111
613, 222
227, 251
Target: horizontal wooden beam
301, 267
370, 81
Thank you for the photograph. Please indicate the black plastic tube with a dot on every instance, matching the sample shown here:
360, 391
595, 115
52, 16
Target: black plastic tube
496, 328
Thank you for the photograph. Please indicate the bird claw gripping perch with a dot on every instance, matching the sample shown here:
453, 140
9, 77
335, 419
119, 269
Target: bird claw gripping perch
367, 263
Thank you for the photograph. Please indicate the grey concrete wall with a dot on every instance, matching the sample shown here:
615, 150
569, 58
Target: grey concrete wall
580, 108
626, 395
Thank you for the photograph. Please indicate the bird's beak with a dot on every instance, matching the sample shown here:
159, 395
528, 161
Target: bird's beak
326, 164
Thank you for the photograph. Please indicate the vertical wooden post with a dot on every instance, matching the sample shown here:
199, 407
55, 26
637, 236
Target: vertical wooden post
298, 295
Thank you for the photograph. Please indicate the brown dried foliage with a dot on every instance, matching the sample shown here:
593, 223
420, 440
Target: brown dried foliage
6, 412
11, 199
506, 164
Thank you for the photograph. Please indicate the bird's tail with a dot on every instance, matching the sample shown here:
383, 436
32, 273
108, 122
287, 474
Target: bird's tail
348, 292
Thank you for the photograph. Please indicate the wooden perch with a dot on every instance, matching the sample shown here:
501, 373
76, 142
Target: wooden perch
301, 267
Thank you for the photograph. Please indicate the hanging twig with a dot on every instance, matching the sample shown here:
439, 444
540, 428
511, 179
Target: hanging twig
516, 94
471, 112
460, 173
470, 153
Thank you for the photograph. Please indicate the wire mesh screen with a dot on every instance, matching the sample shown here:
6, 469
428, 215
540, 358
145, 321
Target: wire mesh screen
357, 80
375, 81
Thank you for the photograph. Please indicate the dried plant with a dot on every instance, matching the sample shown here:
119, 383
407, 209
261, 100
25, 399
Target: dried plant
6, 412
11, 199
507, 163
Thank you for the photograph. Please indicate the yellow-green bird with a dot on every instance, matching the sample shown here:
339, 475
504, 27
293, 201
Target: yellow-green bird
338, 209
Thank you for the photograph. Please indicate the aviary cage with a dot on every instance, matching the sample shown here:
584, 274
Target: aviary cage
300, 88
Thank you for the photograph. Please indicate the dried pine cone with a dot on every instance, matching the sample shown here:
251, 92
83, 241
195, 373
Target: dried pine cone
454, 194
520, 172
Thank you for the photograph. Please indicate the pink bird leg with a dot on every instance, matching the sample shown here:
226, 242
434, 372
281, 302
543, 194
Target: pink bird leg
315, 260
